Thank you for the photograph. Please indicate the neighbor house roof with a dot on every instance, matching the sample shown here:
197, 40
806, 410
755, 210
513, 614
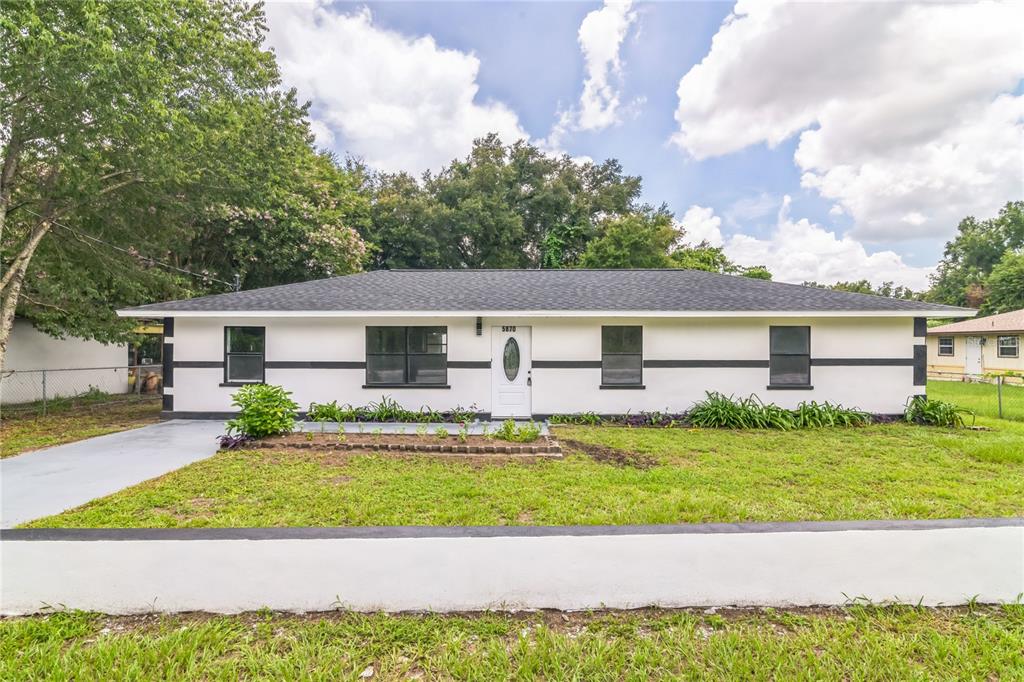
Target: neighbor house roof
1012, 321
541, 291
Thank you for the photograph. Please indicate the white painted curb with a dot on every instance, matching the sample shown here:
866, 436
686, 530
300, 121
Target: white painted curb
571, 571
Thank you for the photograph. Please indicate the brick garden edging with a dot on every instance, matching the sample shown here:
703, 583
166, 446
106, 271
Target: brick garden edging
418, 447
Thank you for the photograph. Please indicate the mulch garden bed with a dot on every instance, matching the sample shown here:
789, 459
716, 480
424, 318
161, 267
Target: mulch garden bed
371, 442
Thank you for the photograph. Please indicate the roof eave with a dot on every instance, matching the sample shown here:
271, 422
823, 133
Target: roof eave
137, 312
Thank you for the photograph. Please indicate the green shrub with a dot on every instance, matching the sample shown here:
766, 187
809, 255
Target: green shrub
724, 412
920, 410
527, 433
264, 410
815, 415
441, 432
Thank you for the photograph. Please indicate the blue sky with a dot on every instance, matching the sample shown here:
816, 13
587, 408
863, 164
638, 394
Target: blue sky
798, 101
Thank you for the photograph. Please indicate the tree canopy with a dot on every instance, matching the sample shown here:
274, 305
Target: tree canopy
971, 256
133, 132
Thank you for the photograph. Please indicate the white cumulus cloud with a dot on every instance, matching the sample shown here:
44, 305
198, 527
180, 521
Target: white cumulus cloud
906, 113
601, 35
400, 102
700, 224
801, 251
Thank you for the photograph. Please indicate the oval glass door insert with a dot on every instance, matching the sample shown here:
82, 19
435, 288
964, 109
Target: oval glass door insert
510, 359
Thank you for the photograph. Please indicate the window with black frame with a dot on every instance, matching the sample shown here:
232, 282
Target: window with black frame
790, 356
244, 355
622, 357
406, 356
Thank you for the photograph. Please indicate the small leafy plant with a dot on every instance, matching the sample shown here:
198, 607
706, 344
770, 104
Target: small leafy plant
526, 433
421, 430
264, 410
920, 410
441, 432
309, 436
464, 432
229, 442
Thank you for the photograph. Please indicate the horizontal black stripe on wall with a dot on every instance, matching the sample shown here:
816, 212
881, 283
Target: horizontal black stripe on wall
198, 364
863, 362
566, 364
296, 364
706, 363
469, 364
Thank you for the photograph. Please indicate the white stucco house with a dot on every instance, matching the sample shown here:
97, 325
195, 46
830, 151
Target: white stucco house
522, 343
984, 345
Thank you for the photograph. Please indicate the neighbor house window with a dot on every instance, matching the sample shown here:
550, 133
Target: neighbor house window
1008, 346
790, 356
406, 356
243, 354
945, 345
622, 356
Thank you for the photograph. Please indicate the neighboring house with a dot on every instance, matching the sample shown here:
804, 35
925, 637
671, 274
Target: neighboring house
521, 343
73, 366
985, 345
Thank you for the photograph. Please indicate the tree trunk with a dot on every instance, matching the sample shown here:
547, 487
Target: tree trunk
12, 155
13, 280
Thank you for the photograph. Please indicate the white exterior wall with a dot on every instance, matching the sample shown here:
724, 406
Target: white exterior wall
30, 349
990, 360
880, 389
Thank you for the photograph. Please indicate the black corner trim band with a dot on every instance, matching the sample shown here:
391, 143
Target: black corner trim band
199, 364
168, 366
169, 327
920, 327
920, 365
168, 402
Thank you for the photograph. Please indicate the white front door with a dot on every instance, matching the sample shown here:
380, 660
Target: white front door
972, 355
510, 371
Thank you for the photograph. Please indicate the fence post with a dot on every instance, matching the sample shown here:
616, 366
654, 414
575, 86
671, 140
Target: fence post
999, 394
44, 391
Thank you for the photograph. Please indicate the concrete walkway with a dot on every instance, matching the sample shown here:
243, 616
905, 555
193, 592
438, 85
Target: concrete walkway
50, 481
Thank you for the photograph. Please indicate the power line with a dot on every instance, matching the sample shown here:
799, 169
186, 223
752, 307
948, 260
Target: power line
81, 235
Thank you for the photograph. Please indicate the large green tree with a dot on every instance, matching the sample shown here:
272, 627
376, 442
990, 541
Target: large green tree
969, 258
130, 132
501, 206
640, 240
1005, 285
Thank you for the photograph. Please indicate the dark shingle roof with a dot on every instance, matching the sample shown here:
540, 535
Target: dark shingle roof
537, 290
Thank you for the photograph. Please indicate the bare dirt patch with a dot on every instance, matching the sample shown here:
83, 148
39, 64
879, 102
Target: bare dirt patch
609, 455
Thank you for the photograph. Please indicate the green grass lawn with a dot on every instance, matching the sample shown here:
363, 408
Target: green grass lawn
980, 398
21, 432
893, 471
856, 643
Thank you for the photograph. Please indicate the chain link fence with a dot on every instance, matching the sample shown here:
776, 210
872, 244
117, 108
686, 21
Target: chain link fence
45, 390
1000, 396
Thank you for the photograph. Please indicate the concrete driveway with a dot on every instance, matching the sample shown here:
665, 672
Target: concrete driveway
50, 481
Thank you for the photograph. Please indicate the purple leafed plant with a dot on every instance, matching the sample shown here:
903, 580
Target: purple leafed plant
228, 442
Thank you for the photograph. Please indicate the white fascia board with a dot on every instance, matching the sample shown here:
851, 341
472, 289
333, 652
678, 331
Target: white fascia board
544, 313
